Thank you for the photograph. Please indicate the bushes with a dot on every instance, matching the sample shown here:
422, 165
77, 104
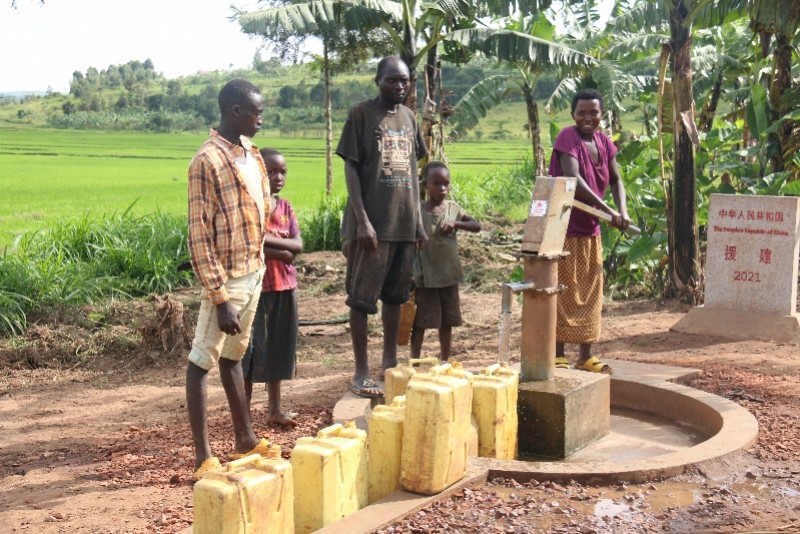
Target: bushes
145, 121
82, 261
502, 193
321, 228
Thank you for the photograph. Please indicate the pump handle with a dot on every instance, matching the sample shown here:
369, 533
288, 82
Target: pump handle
600, 215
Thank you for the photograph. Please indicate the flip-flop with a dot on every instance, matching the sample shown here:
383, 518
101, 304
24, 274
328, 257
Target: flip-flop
287, 422
208, 464
594, 365
361, 387
562, 362
262, 448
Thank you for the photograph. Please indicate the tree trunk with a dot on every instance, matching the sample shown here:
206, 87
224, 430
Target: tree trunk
408, 54
535, 130
616, 125
686, 254
781, 82
428, 106
326, 74
710, 107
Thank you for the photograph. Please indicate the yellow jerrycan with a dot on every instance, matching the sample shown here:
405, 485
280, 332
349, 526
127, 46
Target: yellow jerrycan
437, 429
385, 444
330, 476
252, 495
472, 448
396, 378
494, 405
406, 322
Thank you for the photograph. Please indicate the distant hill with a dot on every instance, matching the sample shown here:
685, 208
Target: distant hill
135, 96
21, 94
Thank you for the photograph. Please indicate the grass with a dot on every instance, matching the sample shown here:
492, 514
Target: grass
91, 215
82, 261
49, 175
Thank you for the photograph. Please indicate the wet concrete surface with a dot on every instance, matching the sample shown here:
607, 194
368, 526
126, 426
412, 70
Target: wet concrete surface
635, 435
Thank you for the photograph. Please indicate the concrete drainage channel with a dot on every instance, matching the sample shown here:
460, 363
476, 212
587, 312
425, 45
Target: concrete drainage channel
658, 428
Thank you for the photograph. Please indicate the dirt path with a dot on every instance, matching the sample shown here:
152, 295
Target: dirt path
101, 444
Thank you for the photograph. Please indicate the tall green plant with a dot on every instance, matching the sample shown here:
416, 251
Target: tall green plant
321, 228
84, 260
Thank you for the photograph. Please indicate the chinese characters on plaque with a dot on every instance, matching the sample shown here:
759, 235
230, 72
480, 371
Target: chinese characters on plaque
751, 259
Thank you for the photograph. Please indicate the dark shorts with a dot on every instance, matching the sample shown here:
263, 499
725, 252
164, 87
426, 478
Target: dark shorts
437, 307
385, 273
272, 353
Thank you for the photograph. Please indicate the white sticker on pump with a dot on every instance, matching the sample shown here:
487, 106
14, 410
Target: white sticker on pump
538, 208
570, 185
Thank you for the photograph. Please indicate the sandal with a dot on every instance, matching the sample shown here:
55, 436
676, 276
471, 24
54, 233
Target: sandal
366, 388
208, 464
286, 420
261, 448
594, 365
562, 362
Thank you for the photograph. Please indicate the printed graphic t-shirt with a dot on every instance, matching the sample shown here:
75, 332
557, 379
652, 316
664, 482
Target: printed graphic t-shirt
385, 146
596, 175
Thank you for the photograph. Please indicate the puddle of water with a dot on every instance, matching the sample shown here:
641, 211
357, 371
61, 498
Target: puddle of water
763, 490
790, 492
612, 501
665, 495
610, 508
620, 502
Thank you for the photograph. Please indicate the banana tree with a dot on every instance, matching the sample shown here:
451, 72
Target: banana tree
332, 22
724, 53
621, 59
780, 19
683, 17
416, 28
529, 54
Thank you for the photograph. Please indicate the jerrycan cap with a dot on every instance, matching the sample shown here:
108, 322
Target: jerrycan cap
274, 452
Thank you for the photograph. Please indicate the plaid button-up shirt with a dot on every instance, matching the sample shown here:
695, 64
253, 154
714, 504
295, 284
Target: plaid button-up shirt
226, 231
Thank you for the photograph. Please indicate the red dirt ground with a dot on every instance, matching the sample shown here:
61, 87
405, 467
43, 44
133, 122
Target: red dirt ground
94, 436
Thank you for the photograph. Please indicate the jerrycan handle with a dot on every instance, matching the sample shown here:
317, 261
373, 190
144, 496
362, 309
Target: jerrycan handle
329, 432
492, 369
418, 361
399, 401
249, 459
441, 369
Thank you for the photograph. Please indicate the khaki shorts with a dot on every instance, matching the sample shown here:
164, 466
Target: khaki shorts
210, 343
385, 273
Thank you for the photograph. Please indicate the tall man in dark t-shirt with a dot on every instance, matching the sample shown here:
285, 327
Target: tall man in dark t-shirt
380, 146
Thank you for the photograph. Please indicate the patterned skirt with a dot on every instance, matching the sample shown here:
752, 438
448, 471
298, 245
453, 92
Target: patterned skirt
580, 304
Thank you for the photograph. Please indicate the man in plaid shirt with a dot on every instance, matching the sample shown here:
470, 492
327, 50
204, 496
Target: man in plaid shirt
228, 198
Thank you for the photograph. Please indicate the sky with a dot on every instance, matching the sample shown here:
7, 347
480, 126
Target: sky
42, 45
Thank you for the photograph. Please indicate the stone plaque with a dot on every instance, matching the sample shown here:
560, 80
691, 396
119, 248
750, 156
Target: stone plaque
751, 259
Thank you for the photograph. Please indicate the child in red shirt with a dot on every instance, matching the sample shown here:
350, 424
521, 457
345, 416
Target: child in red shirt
271, 356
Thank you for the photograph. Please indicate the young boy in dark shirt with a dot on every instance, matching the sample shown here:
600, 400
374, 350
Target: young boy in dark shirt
437, 269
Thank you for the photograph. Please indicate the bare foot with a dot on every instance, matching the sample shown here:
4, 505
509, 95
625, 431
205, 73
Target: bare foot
281, 419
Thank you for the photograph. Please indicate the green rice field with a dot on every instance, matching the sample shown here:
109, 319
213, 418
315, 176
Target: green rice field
47, 175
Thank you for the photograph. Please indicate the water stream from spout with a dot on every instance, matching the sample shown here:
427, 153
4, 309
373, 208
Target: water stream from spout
504, 337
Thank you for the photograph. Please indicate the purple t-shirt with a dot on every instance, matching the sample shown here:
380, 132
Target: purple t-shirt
596, 175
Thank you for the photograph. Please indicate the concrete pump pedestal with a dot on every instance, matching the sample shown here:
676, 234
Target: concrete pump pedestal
561, 416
